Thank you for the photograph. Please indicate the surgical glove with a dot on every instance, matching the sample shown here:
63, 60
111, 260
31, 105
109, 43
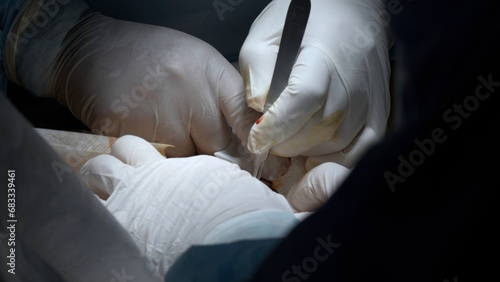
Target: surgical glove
121, 77
338, 88
170, 204
52, 228
316, 187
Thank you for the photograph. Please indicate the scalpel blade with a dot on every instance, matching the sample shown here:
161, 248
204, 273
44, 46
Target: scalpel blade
293, 32
291, 39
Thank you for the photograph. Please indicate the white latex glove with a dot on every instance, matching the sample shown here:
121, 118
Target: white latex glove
62, 232
121, 77
337, 99
170, 204
316, 187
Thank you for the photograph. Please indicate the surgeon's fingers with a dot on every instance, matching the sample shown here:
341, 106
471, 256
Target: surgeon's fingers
241, 118
233, 105
316, 187
259, 51
134, 151
105, 174
304, 96
224, 107
257, 65
349, 156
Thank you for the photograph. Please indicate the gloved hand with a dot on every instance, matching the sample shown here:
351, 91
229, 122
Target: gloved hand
316, 187
170, 204
337, 98
55, 225
121, 77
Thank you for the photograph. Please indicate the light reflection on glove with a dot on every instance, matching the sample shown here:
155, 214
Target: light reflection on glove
338, 92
